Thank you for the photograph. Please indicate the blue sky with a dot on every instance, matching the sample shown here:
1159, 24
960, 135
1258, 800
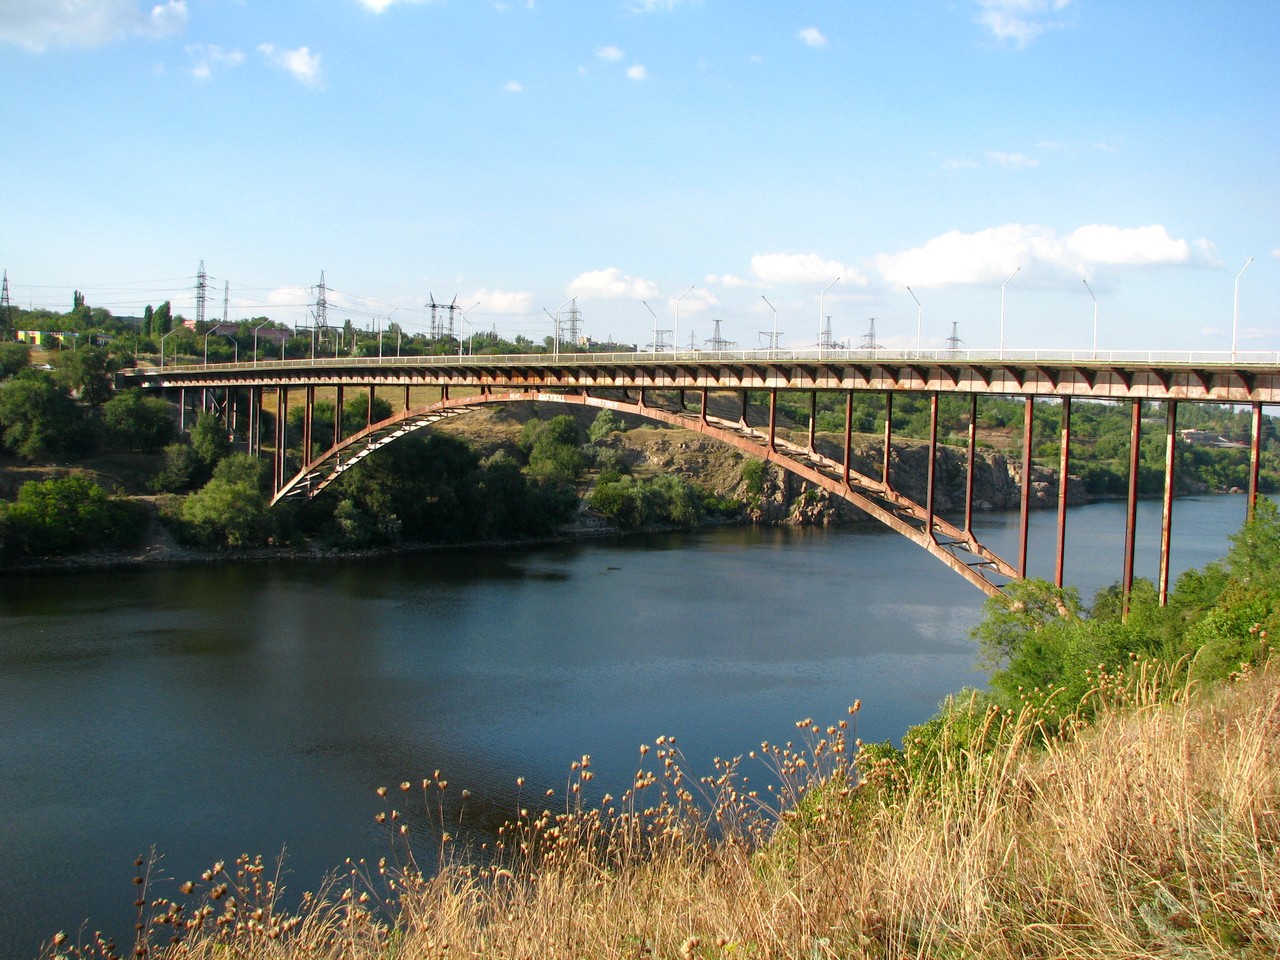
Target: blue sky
517, 154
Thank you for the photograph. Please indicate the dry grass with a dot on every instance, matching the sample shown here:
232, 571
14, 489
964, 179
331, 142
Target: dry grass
1151, 833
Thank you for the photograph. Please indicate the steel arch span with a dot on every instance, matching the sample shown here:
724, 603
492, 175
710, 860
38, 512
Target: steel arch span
959, 549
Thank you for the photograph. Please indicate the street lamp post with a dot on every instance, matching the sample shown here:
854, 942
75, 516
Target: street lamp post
235, 343
163, 338
919, 318
675, 334
773, 344
655, 325
820, 313
206, 347
467, 323
1235, 313
1095, 317
255, 339
1002, 286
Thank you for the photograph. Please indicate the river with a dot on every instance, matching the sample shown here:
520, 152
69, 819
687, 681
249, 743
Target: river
206, 710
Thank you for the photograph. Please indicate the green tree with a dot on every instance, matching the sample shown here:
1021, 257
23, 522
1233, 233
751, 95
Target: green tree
209, 440
87, 371
605, 423
67, 514
38, 417
13, 357
138, 422
227, 513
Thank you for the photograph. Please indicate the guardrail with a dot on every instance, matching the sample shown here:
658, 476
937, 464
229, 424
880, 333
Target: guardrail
1269, 359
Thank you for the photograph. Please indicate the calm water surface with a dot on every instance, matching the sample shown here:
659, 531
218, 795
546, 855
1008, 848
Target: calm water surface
210, 710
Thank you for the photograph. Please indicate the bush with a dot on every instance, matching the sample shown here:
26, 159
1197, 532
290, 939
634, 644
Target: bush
66, 515
227, 513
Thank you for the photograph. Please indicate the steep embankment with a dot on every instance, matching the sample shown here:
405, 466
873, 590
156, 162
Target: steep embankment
780, 497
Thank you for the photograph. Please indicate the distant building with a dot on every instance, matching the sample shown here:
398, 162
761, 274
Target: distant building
265, 334
46, 338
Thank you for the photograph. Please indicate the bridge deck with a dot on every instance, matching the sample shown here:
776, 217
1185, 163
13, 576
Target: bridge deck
1149, 378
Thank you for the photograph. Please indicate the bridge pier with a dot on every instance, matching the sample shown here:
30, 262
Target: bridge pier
773, 419
1024, 509
337, 416
969, 466
848, 434
1064, 461
308, 415
933, 465
1131, 508
1166, 514
888, 439
1255, 458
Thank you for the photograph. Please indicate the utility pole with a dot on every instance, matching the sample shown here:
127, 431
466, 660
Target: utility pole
202, 294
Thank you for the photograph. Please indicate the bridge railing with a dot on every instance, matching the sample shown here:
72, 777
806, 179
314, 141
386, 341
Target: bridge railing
1089, 357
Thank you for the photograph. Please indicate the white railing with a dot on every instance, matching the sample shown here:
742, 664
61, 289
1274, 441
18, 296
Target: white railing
1268, 359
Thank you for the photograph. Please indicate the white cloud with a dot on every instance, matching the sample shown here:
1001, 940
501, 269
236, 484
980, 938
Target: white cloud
289, 297
728, 281
513, 86
380, 6
813, 37
1012, 161
302, 63
696, 301
611, 284
638, 72
649, 6
207, 59
610, 53
500, 301
1098, 243
1019, 21
991, 255
1276, 253
802, 268
39, 24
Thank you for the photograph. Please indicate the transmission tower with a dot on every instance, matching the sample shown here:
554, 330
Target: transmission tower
718, 343
437, 325
6, 308
202, 294
575, 318
226, 296
322, 303
826, 341
869, 341
954, 341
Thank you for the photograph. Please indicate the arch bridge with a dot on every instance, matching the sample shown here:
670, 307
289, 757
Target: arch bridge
676, 389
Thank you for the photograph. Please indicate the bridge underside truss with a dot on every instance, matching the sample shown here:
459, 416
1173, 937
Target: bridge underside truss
957, 548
